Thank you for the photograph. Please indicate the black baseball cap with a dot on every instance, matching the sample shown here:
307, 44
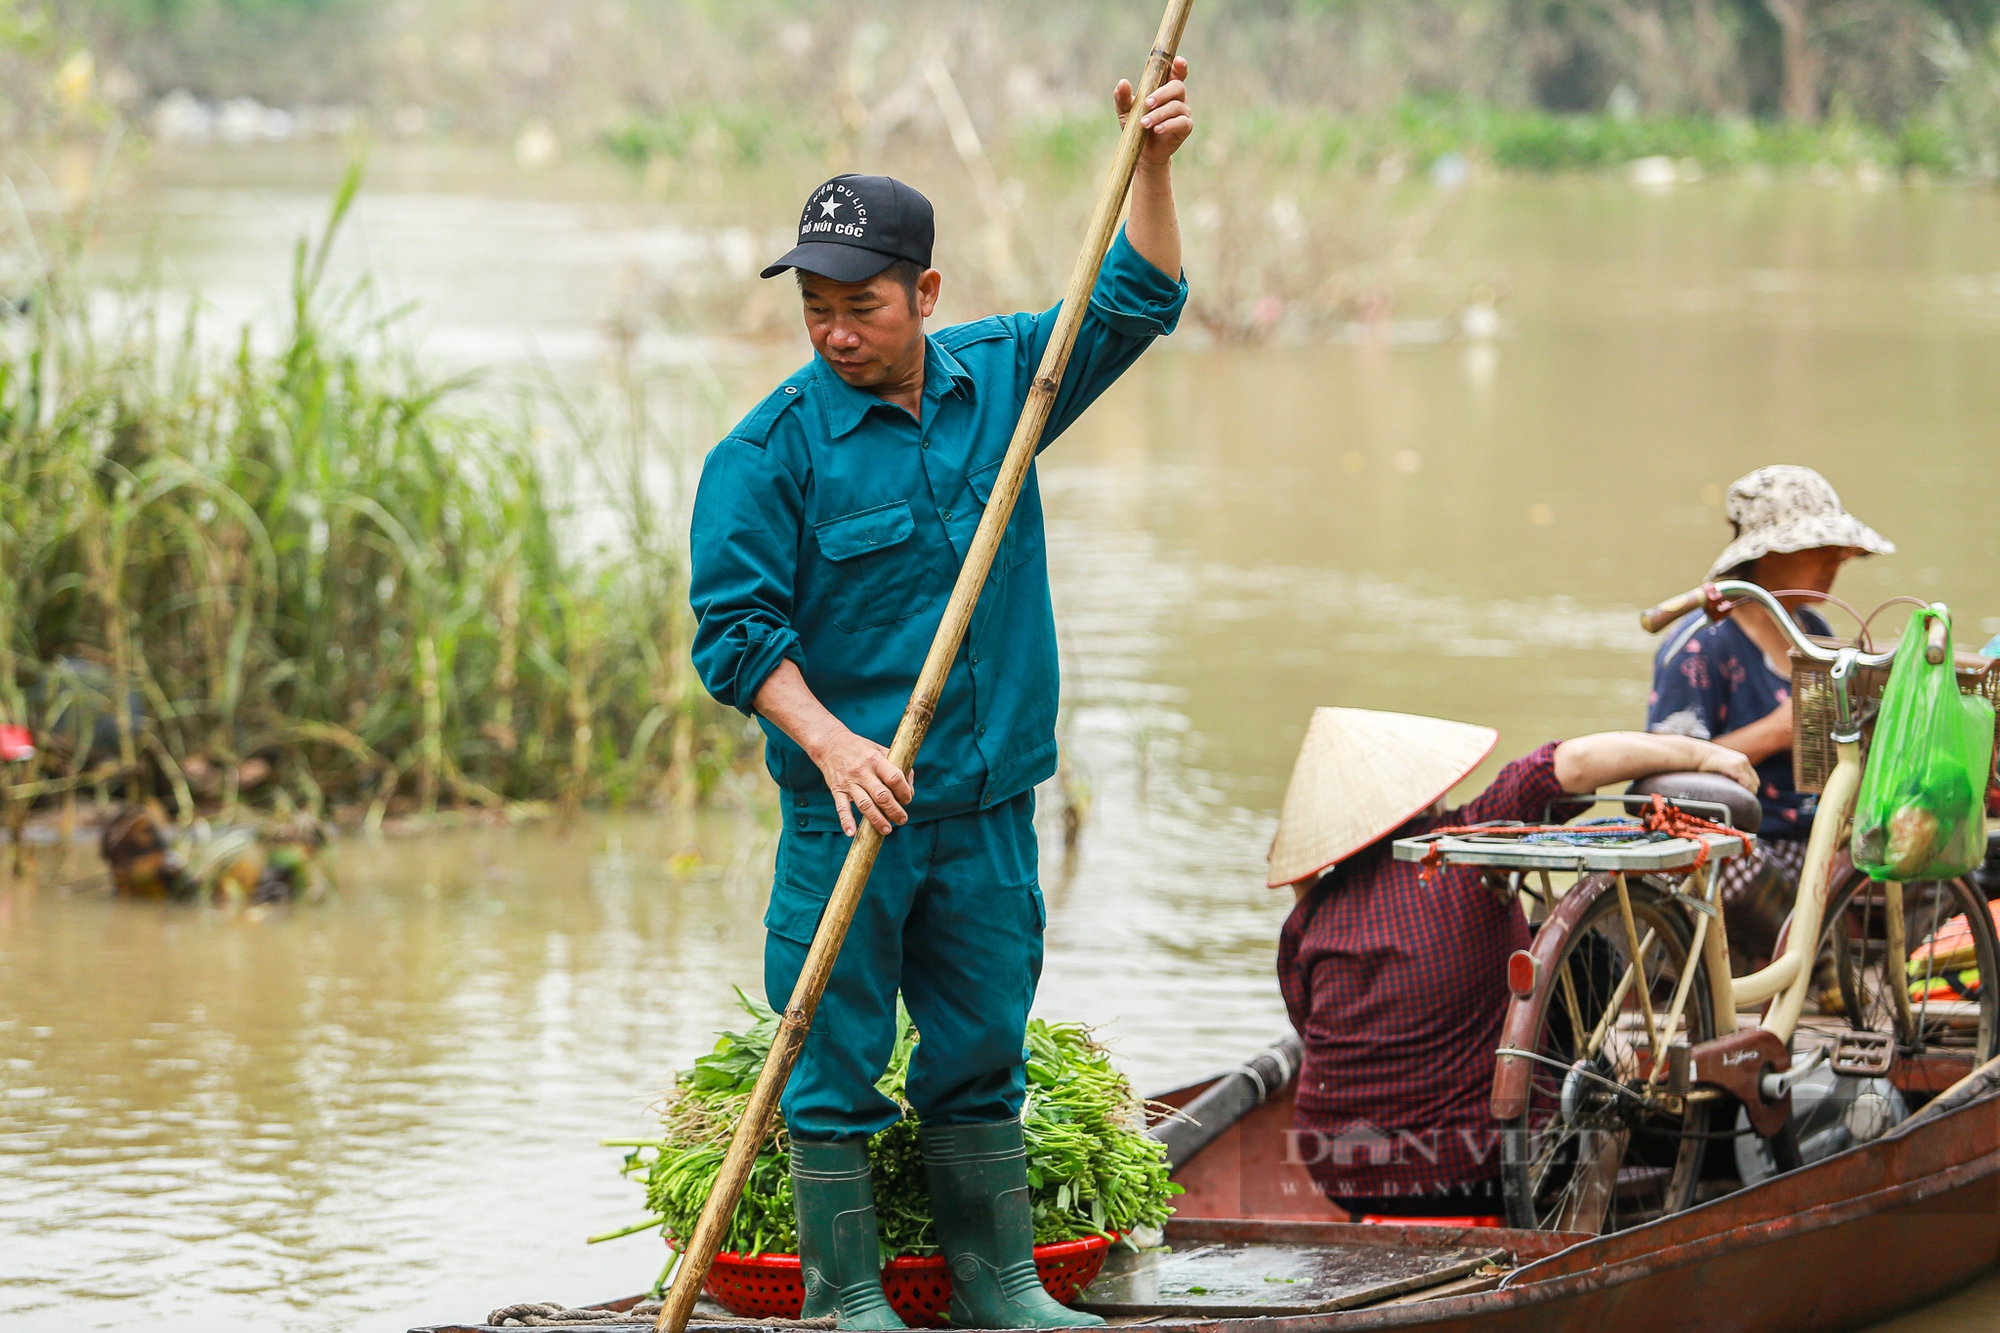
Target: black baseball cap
853, 227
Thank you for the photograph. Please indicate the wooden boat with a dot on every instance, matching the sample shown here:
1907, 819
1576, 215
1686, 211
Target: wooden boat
1840, 1243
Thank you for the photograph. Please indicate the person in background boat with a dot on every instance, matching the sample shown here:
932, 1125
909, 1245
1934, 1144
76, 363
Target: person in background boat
1732, 683
829, 527
1397, 988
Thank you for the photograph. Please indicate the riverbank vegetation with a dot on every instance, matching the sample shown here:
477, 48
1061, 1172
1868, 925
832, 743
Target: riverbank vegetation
314, 576
1302, 225
1576, 85
1333, 136
1412, 135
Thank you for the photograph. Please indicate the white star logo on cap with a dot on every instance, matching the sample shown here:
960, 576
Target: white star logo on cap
827, 206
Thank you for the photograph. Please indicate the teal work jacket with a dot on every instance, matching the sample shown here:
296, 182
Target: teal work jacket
830, 525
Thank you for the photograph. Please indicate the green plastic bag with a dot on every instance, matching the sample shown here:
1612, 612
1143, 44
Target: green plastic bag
1921, 814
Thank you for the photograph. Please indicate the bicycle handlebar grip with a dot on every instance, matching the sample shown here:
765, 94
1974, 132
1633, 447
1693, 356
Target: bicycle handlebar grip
1934, 640
1667, 612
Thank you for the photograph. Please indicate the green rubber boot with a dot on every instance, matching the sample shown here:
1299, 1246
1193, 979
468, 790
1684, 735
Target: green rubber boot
979, 1194
838, 1249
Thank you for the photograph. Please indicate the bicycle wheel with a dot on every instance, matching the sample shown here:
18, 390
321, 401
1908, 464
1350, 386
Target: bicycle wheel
1856, 936
1591, 1151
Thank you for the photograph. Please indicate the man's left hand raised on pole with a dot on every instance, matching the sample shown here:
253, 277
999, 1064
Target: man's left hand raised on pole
1166, 116
1152, 227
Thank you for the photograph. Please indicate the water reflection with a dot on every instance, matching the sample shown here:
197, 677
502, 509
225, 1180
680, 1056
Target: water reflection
365, 1108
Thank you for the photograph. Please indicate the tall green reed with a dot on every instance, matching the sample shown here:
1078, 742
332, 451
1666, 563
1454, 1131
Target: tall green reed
322, 557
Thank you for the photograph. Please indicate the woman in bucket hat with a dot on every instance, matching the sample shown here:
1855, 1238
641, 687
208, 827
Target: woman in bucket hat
1731, 682
1397, 988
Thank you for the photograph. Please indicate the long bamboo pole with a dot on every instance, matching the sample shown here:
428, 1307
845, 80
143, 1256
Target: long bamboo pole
798, 1016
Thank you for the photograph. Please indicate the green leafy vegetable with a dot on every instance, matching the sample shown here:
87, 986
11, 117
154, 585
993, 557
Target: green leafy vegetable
1091, 1167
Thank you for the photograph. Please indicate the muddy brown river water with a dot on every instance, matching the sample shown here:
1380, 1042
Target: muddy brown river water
384, 1110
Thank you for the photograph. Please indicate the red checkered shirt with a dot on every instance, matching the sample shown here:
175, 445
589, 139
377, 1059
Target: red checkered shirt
1397, 990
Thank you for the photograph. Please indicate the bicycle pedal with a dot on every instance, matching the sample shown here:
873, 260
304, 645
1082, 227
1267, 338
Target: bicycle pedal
1863, 1054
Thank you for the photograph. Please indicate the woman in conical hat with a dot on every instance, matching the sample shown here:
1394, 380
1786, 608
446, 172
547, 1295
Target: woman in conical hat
1731, 682
1397, 989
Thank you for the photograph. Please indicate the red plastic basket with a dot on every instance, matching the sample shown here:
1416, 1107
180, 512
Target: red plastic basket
764, 1286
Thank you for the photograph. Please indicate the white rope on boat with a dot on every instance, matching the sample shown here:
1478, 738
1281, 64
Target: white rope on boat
1278, 1056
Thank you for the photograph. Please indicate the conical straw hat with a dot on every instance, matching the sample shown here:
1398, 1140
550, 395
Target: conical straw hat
1362, 774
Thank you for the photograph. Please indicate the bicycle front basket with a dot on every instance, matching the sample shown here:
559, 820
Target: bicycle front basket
1813, 753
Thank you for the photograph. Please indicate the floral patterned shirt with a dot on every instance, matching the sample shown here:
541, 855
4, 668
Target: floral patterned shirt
1715, 680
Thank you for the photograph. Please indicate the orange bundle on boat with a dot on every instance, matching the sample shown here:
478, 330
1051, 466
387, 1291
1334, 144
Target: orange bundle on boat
1945, 967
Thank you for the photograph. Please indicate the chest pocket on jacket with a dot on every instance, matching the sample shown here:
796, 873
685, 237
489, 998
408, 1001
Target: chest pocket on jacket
1013, 550
879, 572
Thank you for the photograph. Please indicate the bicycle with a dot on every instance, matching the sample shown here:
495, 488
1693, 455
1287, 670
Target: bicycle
1598, 1131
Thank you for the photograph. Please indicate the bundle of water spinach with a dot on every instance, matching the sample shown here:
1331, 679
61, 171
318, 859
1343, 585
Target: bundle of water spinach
1091, 1167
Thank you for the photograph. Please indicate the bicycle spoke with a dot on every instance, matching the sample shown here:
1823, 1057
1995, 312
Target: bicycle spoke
1576, 1023
1872, 986
1594, 1153
1930, 964
1638, 963
1587, 1199
1871, 1000
1617, 1004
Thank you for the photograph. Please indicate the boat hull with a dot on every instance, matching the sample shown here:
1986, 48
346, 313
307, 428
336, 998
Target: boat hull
1840, 1244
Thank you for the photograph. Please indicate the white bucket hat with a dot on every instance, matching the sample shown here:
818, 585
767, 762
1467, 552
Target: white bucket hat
1361, 774
1784, 508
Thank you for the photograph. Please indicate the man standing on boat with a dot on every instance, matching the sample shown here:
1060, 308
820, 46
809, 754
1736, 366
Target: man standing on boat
828, 529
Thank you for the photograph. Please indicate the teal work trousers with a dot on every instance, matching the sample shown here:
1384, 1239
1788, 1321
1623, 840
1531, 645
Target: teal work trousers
953, 917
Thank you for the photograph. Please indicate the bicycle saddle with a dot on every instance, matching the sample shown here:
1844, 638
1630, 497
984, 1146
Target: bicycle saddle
1744, 812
